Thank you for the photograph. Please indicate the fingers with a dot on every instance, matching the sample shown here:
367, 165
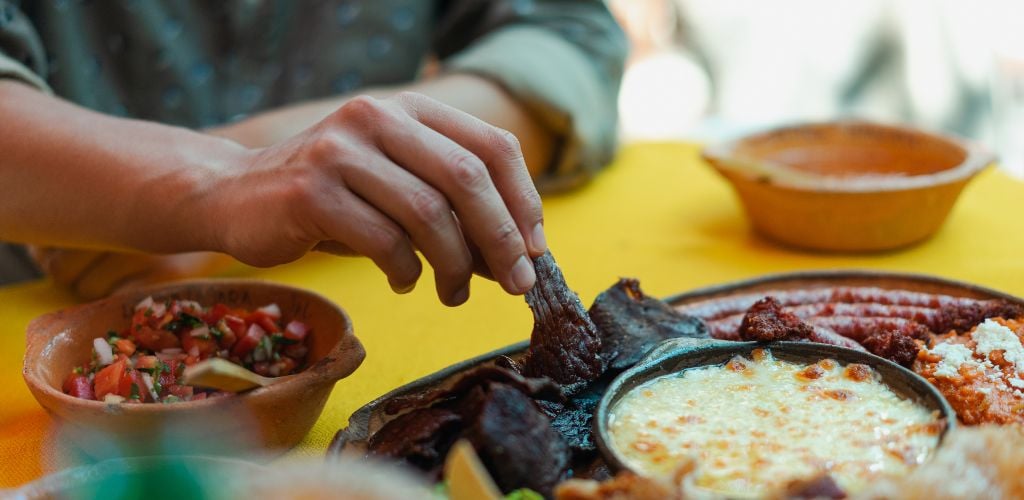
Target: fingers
465, 181
500, 151
350, 224
424, 214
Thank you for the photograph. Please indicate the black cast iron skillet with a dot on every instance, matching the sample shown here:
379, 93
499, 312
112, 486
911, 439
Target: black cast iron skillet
677, 355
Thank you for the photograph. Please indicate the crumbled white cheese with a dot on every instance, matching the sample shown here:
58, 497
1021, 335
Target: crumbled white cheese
1016, 382
953, 357
991, 336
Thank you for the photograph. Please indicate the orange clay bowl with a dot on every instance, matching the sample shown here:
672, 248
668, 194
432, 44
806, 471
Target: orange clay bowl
266, 420
847, 186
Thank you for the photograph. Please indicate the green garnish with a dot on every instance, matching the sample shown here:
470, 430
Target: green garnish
78, 370
135, 391
111, 333
172, 399
182, 322
523, 494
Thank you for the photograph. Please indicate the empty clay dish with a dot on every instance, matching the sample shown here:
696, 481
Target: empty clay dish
268, 419
847, 186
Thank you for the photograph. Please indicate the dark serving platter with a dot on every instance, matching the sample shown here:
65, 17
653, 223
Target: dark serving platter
371, 417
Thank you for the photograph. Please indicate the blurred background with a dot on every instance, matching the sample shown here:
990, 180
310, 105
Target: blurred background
713, 69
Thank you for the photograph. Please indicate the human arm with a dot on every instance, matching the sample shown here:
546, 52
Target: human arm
376, 177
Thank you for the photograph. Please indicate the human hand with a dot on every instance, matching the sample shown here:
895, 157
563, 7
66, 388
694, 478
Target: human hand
382, 178
91, 274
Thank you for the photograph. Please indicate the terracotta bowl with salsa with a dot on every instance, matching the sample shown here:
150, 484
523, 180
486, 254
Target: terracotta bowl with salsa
847, 186
110, 372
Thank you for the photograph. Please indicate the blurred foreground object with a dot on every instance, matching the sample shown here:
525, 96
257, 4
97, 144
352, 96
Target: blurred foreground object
200, 477
847, 186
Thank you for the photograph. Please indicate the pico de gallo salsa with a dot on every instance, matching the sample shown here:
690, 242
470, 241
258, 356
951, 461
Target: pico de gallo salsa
145, 362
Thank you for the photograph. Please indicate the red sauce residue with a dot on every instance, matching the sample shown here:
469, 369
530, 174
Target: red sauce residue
976, 397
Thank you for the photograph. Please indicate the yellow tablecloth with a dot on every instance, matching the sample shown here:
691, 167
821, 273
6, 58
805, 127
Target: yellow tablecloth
658, 214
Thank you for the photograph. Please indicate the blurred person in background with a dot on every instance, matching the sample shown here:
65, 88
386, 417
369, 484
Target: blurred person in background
100, 101
708, 69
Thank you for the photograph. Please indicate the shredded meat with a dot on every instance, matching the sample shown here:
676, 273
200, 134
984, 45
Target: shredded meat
565, 345
765, 321
892, 345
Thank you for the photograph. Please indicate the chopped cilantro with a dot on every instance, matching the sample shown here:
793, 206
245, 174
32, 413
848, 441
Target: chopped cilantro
172, 399
184, 321
135, 391
78, 370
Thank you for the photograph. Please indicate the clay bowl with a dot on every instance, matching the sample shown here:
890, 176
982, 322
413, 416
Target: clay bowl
847, 186
268, 420
677, 355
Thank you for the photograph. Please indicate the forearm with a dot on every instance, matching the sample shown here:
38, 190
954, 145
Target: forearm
474, 95
74, 177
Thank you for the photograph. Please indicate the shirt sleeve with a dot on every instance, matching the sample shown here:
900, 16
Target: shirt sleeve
21, 52
562, 59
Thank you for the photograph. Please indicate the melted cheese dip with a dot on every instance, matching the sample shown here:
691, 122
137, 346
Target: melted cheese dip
755, 425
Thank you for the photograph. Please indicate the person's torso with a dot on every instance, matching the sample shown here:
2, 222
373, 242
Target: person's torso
200, 63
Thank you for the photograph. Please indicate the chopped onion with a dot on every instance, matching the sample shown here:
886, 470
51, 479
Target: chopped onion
159, 309
147, 379
146, 303
103, 352
113, 399
271, 310
202, 332
193, 351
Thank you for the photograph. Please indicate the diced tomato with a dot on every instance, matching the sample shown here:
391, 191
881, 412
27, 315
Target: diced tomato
216, 313
295, 330
283, 366
182, 391
203, 347
227, 334
146, 362
136, 378
113, 379
297, 351
125, 346
197, 397
249, 341
265, 320
261, 368
78, 385
236, 324
155, 340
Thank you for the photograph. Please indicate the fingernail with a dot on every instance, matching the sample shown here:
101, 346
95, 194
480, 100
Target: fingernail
523, 275
540, 243
403, 289
461, 296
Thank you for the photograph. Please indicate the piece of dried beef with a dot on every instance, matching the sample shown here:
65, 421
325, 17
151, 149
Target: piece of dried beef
421, 437
632, 323
565, 345
515, 440
894, 346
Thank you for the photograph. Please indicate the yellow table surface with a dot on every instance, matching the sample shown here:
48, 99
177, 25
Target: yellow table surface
658, 214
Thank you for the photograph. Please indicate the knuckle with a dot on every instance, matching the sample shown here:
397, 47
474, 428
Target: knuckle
362, 108
467, 171
386, 242
324, 148
507, 235
428, 207
508, 144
